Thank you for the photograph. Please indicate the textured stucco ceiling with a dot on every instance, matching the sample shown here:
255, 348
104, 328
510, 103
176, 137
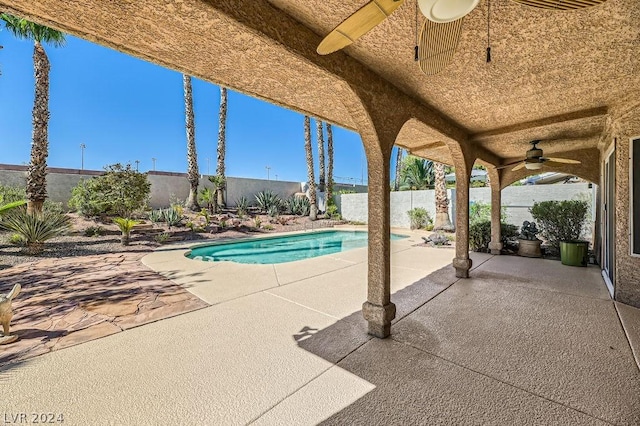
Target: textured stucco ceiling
554, 75
544, 63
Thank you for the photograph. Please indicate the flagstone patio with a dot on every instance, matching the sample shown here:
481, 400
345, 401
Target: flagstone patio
68, 301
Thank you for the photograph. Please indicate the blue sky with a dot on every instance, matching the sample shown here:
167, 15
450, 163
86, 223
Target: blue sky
125, 109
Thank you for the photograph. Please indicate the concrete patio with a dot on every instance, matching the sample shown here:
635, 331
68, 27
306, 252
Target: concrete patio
524, 341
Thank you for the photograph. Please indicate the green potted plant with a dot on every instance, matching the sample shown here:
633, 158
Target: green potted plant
528, 242
561, 224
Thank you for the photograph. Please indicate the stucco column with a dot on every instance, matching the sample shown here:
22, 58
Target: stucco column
378, 309
495, 245
462, 262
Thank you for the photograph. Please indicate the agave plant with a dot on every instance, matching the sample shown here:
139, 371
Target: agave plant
172, 216
35, 228
125, 225
242, 204
156, 216
266, 200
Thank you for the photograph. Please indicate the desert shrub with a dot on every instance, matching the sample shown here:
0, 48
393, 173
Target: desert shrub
419, 218
162, 238
35, 229
480, 234
257, 222
94, 231
16, 240
560, 220
9, 194
332, 212
265, 200
268, 227
120, 191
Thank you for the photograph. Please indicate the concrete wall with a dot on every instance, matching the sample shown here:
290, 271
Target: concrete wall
516, 199
164, 185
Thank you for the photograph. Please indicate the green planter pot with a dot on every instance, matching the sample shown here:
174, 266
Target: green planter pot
574, 253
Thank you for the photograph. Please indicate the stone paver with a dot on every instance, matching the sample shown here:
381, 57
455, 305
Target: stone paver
68, 301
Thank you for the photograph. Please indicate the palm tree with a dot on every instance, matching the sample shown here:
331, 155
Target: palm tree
222, 129
396, 183
192, 157
321, 168
442, 221
313, 211
37, 172
329, 164
416, 173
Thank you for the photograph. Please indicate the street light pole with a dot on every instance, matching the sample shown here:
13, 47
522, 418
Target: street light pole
268, 168
154, 163
208, 163
82, 147
137, 164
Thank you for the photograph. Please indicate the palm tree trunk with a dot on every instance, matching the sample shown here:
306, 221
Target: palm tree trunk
321, 163
442, 221
396, 183
329, 164
313, 211
192, 158
222, 129
37, 172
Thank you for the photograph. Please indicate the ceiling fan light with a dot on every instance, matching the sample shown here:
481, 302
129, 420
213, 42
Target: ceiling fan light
533, 166
446, 10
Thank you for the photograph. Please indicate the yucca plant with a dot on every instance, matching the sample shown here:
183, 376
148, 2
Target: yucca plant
266, 200
125, 225
35, 228
172, 216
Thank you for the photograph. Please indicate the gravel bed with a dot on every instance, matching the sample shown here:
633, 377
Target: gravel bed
77, 244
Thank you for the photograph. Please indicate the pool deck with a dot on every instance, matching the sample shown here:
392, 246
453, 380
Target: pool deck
523, 341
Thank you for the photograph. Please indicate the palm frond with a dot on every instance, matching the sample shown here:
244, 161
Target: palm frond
27, 30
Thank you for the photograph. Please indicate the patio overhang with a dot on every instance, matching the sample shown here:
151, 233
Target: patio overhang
563, 77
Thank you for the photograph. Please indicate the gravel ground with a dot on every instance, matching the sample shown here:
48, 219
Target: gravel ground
75, 243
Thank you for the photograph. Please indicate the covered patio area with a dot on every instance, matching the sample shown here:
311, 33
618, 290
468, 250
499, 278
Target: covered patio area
541, 345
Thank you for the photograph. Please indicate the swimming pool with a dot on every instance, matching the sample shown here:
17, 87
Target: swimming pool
288, 248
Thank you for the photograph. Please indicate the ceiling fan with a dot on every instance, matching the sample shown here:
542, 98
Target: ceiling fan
534, 160
441, 29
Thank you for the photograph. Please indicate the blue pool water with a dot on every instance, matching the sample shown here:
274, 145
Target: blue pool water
283, 249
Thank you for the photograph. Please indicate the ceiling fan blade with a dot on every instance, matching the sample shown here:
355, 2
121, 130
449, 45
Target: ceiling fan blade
518, 167
437, 45
357, 25
504, 166
446, 10
562, 160
560, 4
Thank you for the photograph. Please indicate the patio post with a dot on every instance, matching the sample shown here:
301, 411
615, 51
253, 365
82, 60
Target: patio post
496, 207
462, 263
378, 309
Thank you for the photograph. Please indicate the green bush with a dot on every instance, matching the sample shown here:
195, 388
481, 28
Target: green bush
560, 220
94, 231
480, 212
480, 234
120, 191
332, 212
35, 229
16, 195
419, 218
